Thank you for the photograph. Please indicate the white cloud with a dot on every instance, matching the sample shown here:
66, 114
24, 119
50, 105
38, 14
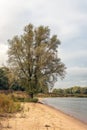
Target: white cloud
68, 84
77, 71
72, 54
76, 76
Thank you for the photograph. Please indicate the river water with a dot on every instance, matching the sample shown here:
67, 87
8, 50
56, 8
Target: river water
76, 107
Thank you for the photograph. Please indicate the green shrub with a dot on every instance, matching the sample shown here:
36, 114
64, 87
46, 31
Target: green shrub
35, 100
21, 99
18, 99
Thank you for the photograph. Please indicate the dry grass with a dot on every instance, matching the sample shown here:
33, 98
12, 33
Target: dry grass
7, 105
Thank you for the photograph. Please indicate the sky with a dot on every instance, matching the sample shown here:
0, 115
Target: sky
66, 18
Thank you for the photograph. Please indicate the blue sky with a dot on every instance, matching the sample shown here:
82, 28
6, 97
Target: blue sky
66, 18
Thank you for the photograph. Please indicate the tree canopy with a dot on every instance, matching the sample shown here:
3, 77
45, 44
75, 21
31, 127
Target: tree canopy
34, 58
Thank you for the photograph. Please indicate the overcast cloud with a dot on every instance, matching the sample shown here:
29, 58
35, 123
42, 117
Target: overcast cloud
66, 18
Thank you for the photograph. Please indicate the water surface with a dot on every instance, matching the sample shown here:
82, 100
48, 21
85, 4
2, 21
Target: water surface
76, 107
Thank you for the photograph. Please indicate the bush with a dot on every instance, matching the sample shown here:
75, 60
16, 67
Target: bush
35, 100
18, 99
7, 105
23, 99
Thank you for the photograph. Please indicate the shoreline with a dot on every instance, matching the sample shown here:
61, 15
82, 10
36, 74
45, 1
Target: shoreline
53, 107
37, 116
64, 113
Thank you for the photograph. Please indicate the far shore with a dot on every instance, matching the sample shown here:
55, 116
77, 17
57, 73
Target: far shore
37, 116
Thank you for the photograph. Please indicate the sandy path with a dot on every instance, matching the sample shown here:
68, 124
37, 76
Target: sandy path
37, 116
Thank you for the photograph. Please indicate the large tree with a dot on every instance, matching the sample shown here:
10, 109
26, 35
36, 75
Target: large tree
34, 58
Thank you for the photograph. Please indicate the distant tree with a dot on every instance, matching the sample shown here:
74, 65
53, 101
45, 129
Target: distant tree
10, 75
34, 58
58, 91
68, 91
4, 85
76, 90
17, 87
83, 90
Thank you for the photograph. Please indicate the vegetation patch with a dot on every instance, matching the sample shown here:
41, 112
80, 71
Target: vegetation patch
35, 100
7, 105
24, 99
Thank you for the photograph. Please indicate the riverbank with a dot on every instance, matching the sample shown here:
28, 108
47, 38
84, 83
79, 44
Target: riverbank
36, 116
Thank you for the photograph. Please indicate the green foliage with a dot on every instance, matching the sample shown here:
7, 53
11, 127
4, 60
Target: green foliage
3, 80
7, 105
16, 87
73, 91
35, 100
7, 80
43, 89
83, 90
33, 57
20, 99
58, 91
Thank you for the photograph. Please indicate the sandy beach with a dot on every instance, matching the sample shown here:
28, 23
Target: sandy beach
36, 116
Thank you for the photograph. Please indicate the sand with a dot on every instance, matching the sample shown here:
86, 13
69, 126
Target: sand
36, 116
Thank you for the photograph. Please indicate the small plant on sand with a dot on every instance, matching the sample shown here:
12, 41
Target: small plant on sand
23, 115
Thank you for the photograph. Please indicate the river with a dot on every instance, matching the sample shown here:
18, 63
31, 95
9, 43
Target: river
76, 107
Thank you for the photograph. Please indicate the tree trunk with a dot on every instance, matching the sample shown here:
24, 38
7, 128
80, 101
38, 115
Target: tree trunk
31, 95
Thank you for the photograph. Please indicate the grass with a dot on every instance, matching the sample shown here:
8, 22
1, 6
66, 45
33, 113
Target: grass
7, 105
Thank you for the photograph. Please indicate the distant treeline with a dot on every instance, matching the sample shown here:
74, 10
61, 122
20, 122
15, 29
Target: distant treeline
73, 91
